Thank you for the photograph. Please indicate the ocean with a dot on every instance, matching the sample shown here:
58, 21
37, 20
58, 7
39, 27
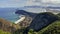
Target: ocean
9, 14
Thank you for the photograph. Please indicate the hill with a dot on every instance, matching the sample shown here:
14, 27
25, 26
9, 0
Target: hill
53, 28
8, 26
40, 21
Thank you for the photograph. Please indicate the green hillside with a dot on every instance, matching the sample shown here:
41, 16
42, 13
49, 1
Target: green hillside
53, 28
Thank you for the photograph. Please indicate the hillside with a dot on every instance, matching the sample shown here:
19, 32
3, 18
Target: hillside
8, 26
40, 21
53, 28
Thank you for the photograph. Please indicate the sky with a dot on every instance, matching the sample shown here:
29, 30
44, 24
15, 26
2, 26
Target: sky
22, 3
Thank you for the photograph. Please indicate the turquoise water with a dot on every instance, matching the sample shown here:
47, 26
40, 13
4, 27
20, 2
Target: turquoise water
8, 14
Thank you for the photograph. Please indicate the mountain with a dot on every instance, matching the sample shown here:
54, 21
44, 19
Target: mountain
40, 21
23, 12
53, 7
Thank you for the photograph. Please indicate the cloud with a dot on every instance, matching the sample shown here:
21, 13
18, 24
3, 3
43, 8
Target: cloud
51, 1
21, 3
48, 1
12, 3
31, 3
43, 2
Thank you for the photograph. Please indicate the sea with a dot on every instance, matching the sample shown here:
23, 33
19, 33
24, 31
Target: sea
9, 14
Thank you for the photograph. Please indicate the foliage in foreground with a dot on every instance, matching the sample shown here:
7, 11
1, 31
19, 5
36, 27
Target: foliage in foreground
3, 32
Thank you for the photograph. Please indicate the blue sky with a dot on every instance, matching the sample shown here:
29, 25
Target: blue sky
22, 3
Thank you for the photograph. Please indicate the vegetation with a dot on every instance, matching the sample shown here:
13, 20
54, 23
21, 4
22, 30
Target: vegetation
3, 32
53, 28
